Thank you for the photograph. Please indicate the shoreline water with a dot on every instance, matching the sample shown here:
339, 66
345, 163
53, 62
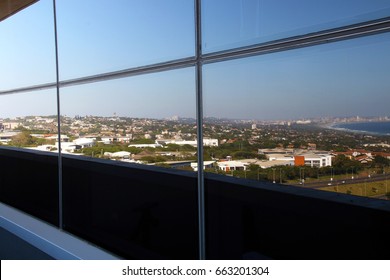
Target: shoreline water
378, 128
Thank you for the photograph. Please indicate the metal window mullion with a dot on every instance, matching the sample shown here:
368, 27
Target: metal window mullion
29, 88
143, 70
148, 69
306, 40
60, 197
199, 117
302, 41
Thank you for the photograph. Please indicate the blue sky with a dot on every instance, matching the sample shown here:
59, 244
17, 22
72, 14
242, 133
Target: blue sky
340, 79
347, 78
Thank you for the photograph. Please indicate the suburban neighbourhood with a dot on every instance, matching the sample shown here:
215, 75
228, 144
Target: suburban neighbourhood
291, 152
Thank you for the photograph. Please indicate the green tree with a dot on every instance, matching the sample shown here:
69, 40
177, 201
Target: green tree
380, 161
23, 139
244, 155
253, 167
142, 141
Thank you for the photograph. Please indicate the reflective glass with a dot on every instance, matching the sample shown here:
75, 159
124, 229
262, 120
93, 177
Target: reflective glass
316, 116
236, 23
97, 36
150, 118
29, 120
27, 52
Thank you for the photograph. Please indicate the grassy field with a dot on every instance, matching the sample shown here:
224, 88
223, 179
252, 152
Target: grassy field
362, 174
361, 189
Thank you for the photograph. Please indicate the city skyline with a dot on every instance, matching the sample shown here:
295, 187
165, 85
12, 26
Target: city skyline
347, 78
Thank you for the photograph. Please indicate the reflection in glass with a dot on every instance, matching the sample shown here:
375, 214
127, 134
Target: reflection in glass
146, 119
236, 23
29, 120
96, 37
285, 117
27, 47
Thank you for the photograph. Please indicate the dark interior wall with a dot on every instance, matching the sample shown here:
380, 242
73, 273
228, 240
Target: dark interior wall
138, 212
286, 222
147, 212
29, 182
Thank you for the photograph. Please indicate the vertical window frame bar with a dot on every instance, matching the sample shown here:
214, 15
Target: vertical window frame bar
60, 197
199, 117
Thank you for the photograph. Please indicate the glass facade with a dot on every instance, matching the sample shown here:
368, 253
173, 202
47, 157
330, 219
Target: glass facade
318, 82
138, 32
267, 87
238, 23
35, 125
27, 47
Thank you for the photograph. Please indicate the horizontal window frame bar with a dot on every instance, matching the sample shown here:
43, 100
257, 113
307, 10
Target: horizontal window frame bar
311, 39
142, 70
322, 37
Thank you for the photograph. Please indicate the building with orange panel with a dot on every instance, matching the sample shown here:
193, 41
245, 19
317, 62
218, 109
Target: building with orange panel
299, 160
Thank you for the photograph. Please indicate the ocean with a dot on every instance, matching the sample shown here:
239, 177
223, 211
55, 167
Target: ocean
378, 128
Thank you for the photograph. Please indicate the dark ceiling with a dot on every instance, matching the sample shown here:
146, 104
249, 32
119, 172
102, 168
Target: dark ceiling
10, 7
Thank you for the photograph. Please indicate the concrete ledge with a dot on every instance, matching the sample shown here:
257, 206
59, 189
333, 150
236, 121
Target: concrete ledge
50, 240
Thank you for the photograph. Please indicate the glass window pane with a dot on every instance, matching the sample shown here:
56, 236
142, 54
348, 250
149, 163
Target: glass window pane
29, 120
236, 23
148, 116
27, 47
96, 37
316, 116
130, 123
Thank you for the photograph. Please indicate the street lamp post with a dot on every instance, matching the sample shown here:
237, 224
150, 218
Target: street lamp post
273, 169
301, 175
331, 173
280, 175
365, 187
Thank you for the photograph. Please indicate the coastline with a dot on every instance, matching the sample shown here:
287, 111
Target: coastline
346, 127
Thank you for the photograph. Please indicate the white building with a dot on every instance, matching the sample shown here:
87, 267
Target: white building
118, 155
318, 160
6, 137
280, 157
206, 164
298, 157
77, 144
64, 138
120, 139
210, 142
145, 145
84, 142
46, 148
10, 125
206, 142
231, 165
